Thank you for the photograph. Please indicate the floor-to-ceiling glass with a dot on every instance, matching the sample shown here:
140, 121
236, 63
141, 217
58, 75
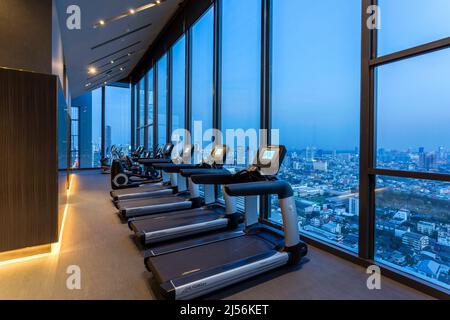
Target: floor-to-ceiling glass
162, 100
315, 96
118, 118
241, 78
412, 158
178, 90
202, 81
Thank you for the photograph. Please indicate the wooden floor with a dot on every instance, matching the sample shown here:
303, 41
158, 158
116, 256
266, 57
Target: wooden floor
112, 266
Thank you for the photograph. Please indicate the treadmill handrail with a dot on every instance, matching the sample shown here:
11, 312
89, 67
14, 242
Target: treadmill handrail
203, 171
214, 179
154, 161
281, 188
175, 168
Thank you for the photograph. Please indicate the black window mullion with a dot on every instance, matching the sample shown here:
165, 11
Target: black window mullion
145, 124
155, 108
217, 76
188, 85
366, 181
169, 97
265, 120
133, 115
103, 151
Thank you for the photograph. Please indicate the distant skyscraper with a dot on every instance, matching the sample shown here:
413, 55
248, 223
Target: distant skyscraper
108, 141
422, 157
310, 154
430, 161
353, 205
441, 153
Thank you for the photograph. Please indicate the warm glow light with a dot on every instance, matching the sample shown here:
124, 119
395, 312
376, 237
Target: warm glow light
127, 13
92, 70
55, 247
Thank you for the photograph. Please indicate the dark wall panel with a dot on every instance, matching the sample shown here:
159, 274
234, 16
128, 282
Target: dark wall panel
26, 35
28, 161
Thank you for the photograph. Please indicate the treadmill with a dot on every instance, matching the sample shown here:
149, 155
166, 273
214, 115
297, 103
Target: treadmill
131, 209
120, 179
217, 262
212, 217
171, 184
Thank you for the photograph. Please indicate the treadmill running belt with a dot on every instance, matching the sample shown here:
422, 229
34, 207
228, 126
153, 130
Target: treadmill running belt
138, 190
168, 267
152, 201
167, 221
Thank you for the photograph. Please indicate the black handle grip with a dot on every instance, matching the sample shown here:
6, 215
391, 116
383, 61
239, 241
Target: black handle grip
280, 188
214, 179
154, 161
203, 171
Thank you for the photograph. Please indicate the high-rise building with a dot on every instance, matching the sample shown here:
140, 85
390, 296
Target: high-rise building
353, 206
108, 141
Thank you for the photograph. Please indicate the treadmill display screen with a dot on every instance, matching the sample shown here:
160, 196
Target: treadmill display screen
268, 155
218, 153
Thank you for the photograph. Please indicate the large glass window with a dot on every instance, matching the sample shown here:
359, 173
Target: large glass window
96, 146
241, 74
315, 107
409, 23
162, 100
413, 96
178, 84
202, 78
118, 118
87, 130
141, 112
150, 108
413, 227
75, 137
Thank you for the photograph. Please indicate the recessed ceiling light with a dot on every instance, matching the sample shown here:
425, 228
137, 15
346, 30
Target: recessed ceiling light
121, 69
129, 12
112, 61
88, 85
92, 70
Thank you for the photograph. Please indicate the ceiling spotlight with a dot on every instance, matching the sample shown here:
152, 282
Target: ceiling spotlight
132, 11
112, 61
102, 22
92, 70
106, 82
88, 85
121, 69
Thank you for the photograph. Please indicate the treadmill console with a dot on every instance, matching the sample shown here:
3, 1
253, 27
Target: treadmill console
270, 158
219, 154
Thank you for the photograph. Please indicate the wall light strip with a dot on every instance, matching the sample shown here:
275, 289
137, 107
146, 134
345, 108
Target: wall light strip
55, 247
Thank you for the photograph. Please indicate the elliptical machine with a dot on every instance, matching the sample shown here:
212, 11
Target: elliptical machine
124, 176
